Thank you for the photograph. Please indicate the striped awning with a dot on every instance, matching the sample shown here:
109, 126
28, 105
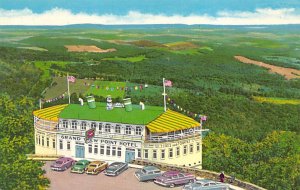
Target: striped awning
171, 121
50, 113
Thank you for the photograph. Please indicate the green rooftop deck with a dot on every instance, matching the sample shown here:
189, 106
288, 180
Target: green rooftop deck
117, 115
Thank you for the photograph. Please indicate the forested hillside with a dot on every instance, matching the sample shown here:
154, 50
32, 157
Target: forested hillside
258, 142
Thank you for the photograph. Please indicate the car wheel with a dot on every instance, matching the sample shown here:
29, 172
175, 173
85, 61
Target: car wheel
172, 185
65, 168
191, 181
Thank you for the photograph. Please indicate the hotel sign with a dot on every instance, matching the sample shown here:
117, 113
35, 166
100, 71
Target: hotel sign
127, 144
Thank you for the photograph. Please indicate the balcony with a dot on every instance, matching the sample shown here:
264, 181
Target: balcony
173, 136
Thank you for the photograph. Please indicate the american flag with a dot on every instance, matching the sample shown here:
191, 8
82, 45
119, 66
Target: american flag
168, 83
203, 118
71, 79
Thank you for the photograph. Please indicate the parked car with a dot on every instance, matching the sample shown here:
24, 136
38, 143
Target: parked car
206, 184
147, 173
116, 168
172, 178
96, 167
80, 166
62, 164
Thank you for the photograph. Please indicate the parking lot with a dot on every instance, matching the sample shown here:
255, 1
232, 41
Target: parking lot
125, 181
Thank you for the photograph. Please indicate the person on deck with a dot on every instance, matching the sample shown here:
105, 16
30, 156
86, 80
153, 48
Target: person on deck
222, 177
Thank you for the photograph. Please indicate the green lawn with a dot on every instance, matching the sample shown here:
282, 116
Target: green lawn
104, 91
129, 59
60, 87
117, 115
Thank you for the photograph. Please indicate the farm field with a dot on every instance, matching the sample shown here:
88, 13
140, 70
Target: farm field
276, 100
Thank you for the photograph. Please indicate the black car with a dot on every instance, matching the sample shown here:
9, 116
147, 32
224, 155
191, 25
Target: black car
116, 168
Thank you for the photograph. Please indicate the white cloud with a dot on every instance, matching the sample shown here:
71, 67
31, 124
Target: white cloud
59, 16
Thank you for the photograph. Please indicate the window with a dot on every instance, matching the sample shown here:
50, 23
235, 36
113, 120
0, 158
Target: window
102, 149
53, 143
118, 129
198, 147
170, 152
119, 151
138, 131
154, 154
100, 127
65, 124
93, 125
61, 145
96, 149
162, 154
139, 153
107, 128
181, 175
68, 145
42, 141
108, 150
178, 151
184, 149
128, 130
83, 126
90, 148
39, 139
191, 148
74, 125
146, 153
47, 142
113, 151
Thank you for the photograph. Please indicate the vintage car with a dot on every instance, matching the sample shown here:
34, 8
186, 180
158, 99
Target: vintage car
80, 166
115, 168
172, 178
206, 184
96, 167
62, 164
147, 173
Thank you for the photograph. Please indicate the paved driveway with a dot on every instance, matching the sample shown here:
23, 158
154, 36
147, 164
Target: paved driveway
125, 181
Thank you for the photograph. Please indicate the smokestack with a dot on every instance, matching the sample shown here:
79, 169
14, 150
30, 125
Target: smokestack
127, 104
142, 105
91, 102
81, 101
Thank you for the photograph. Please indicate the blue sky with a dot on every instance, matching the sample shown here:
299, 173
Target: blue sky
208, 11
168, 7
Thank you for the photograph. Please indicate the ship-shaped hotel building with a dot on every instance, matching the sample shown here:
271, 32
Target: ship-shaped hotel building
118, 132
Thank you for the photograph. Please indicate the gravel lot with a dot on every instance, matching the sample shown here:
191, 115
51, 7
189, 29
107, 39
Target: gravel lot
125, 181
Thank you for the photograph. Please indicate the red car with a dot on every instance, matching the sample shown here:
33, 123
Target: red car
62, 164
172, 178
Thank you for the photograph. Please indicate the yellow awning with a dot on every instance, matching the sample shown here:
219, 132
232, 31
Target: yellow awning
171, 121
50, 113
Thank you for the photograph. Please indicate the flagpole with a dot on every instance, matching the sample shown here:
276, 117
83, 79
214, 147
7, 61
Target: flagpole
40, 103
164, 94
68, 88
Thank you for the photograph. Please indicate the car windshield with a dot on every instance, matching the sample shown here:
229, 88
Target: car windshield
166, 176
58, 162
79, 164
93, 166
143, 171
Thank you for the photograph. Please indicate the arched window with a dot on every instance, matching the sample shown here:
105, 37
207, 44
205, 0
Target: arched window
74, 124
107, 128
65, 124
83, 126
138, 130
118, 129
93, 125
128, 130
